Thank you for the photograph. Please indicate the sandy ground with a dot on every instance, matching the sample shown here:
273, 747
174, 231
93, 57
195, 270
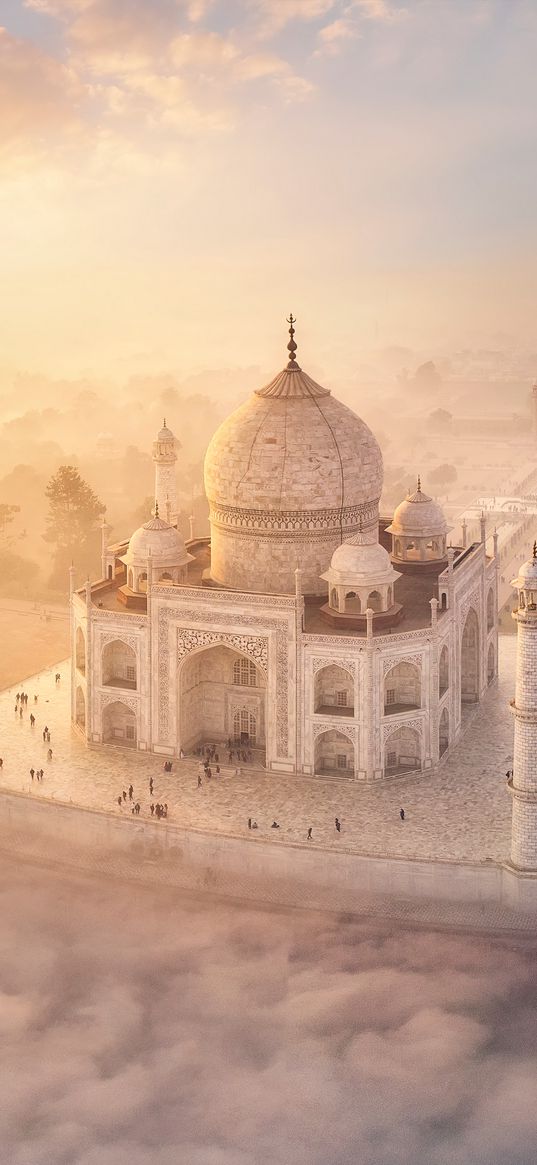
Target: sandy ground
32, 636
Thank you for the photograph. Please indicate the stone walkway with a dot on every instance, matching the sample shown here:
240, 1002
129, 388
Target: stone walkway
461, 812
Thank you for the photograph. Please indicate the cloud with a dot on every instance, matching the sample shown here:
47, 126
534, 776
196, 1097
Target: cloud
144, 1027
39, 99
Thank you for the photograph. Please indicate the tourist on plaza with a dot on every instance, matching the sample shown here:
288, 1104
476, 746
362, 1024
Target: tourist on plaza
152, 808
209, 773
310, 834
49, 754
255, 825
36, 699
402, 814
17, 697
151, 785
1, 763
21, 710
137, 807
32, 771
337, 824
57, 677
119, 801
165, 809
124, 795
199, 781
32, 719
249, 823
131, 791
218, 770
274, 825
48, 736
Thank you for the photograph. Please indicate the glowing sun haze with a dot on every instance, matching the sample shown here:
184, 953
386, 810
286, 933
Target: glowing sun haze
175, 175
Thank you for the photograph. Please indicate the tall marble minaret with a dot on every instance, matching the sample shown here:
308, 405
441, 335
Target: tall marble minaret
524, 781
165, 457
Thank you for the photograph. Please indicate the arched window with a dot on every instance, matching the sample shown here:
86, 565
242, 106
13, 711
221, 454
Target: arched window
244, 727
490, 609
245, 673
390, 597
131, 580
490, 664
119, 665
80, 651
334, 600
397, 548
110, 572
352, 603
142, 582
375, 601
443, 671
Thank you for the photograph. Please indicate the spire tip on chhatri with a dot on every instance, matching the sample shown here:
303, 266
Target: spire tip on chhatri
419, 484
535, 550
156, 509
292, 347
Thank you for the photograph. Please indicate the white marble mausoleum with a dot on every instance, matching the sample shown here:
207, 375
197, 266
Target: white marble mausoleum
309, 631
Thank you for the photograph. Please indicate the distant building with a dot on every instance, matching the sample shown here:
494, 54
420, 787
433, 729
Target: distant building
304, 630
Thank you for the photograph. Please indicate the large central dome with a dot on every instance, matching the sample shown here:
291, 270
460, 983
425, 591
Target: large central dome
288, 477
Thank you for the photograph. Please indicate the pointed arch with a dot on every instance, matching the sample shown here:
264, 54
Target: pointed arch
118, 662
80, 651
402, 688
470, 659
402, 751
334, 691
334, 754
119, 724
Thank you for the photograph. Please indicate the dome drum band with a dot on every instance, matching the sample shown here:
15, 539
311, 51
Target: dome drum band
295, 521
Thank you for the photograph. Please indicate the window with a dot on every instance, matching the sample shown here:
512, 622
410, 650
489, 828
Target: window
392, 760
341, 699
129, 732
244, 672
341, 760
244, 727
390, 696
131, 673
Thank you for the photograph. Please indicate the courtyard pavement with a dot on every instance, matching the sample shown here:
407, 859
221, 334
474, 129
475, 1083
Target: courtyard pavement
460, 812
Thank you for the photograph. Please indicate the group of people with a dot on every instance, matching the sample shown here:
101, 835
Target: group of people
37, 773
127, 797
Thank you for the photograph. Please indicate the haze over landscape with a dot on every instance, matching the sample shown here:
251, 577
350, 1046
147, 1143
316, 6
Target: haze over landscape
175, 177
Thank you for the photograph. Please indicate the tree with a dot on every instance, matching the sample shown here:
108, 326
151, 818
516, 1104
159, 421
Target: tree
7, 514
440, 419
74, 511
443, 475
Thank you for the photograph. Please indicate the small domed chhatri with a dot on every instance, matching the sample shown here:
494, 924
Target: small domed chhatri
288, 477
360, 578
419, 531
160, 544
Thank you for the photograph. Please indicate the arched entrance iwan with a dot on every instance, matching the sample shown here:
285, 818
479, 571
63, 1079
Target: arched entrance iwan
222, 697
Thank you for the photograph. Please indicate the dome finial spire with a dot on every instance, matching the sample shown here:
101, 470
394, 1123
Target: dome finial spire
291, 347
535, 549
419, 484
156, 509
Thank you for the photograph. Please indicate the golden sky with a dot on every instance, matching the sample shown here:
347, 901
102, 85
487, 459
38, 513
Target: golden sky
177, 175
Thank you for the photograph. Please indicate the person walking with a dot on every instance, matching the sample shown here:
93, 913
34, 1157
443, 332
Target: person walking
402, 814
32, 773
199, 781
310, 833
32, 719
119, 801
337, 824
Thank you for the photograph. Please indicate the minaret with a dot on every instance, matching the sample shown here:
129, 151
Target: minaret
523, 783
164, 456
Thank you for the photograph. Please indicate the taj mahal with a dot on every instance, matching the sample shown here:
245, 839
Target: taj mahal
324, 638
